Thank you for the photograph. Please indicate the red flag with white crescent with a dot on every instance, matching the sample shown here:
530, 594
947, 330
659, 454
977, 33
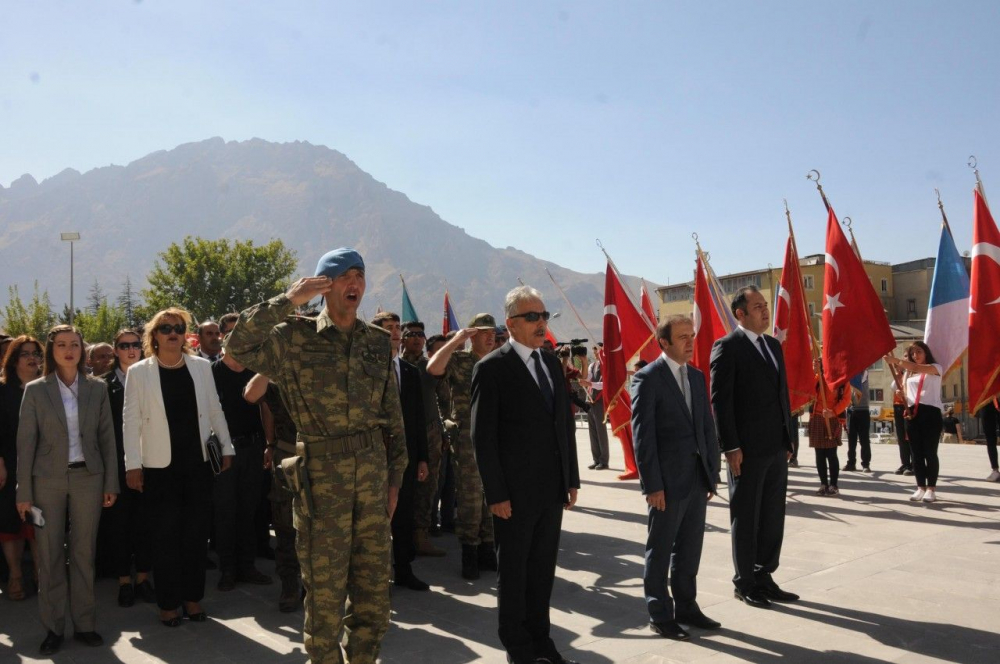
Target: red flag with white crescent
791, 329
708, 325
623, 337
651, 350
856, 331
984, 307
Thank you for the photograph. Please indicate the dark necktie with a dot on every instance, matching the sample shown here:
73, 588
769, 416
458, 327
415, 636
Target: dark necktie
767, 355
543, 381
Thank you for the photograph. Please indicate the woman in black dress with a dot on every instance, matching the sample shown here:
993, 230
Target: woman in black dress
21, 364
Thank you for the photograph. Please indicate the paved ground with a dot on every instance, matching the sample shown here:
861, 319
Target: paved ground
882, 579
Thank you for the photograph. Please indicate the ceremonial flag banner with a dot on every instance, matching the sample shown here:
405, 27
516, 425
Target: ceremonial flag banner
409, 314
984, 310
947, 332
625, 333
791, 329
651, 350
708, 325
856, 332
449, 322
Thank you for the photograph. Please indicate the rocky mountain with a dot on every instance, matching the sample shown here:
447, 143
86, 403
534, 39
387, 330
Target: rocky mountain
311, 197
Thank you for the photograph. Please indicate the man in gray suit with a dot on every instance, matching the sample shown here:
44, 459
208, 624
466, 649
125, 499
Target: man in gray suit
678, 459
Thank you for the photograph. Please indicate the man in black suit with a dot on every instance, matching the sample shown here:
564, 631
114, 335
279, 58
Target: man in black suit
411, 399
678, 460
754, 424
525, 441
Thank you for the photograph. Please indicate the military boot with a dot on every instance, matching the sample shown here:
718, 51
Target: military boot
424, 546
487, 556
289, 599
470, 562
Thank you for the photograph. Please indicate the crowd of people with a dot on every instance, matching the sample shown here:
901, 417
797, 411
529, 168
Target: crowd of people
360, 443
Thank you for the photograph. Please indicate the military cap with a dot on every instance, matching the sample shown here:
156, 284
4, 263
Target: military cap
337, 262
483, 322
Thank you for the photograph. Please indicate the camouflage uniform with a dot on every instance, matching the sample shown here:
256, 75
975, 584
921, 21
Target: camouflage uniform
285, 562
475, 524
340, 391
426, 490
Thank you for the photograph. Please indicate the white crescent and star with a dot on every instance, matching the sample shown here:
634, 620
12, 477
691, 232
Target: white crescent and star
612, 310
990, 251
833, 263
833, 303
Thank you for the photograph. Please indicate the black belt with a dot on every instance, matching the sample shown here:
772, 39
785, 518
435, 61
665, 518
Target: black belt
77, 464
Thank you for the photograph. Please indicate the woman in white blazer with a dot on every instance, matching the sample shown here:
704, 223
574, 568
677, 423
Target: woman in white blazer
171, 409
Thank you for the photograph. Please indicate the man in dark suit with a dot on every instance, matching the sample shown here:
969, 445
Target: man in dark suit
678, 460
754, 424
525, 441
411, 400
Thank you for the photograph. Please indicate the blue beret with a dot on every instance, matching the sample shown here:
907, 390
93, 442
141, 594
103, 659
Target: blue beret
337, 262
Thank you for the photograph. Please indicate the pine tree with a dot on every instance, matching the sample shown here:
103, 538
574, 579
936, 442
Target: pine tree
129, 303
96, 297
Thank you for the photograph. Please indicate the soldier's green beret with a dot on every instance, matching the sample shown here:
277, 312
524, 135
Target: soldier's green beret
337, 262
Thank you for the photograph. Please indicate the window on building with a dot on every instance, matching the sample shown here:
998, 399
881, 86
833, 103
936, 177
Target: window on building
876, 394
877, 366
911, 308
954, 390
812, 309
885, 285
807, 282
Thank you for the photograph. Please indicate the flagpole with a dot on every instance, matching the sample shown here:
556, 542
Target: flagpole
809, 176
713, 283
627, 289
944, 217
575, 312
974, 165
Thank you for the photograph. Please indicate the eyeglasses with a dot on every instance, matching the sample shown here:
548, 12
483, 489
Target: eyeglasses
533, 316
167, 328
30, 353
414, 333
125, 345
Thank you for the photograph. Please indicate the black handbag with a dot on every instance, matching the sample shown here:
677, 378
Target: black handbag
214, 448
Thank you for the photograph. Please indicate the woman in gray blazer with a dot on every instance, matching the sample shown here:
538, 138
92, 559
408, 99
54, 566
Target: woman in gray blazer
66, 467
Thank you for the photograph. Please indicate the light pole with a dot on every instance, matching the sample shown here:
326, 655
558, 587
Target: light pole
71, 238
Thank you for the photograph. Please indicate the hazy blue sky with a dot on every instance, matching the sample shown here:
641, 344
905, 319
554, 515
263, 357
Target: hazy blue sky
546, 125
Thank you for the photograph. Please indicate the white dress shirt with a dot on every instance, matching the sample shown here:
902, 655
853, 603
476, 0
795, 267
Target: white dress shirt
753, 336
525, 354
684, 385
71, 405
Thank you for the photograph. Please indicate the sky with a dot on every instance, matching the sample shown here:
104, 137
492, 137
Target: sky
547, 126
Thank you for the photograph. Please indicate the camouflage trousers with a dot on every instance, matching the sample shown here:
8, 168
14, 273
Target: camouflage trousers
423, 504
286, 563
343, 549
475, 523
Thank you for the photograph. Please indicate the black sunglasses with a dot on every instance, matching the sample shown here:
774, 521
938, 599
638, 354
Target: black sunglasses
30, 353
125, 345
414, 333
533, 316
167, 328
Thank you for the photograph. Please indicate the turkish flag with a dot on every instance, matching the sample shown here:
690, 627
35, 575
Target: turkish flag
791, 329
651, 350
856, 332
625, 333
984, 307
708, 325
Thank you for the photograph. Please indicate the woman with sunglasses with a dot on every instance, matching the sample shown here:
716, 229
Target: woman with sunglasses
171, 409
66, 468
124, 535
21, 364
923, 415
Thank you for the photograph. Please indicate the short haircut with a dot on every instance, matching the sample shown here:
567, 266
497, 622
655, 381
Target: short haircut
50, 349
435, 339
639, 364
10, 359
149, 345
231, 317
740, 299
415, 324
517, 296
204, 324
100, 344
384, 316
663, 330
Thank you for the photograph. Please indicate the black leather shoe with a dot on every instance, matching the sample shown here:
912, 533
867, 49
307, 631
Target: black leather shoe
470, 562
486, 557
601, 466
146, 592
850, 467
554, 660
92, 639
51, 644
592, 466
752, 598
698, 619
411, 582
772, 592
126, 595
669, 629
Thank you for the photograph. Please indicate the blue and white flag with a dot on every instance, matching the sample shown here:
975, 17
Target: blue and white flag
947, 332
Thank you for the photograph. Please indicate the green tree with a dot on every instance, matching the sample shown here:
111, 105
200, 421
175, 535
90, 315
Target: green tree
129, 303
64, 316
212, 277
96, 297
35, 318
102, 324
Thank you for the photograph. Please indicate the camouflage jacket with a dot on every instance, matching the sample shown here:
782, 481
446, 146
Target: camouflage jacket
333, 383
458, 375
284, 428
428, 384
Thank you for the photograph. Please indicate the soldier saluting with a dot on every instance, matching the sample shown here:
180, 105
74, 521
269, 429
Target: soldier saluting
335, 376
